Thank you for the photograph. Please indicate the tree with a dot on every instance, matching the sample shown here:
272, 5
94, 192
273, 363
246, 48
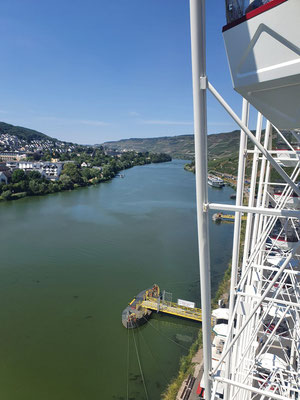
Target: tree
34, 175
73, 172
34, 187
89, 173
66, 182
37, 156
18, 175
21, 186
53, 187
107, 172
6, 195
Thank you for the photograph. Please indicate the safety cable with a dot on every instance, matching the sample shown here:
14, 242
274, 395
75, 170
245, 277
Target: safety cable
127, 365
151, 353
140, 366
178, 344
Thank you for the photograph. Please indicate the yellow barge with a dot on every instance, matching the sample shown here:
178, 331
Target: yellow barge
218, 217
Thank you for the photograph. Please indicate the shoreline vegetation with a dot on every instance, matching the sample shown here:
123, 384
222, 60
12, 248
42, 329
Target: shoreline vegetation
186, 365
100, 168
230, 179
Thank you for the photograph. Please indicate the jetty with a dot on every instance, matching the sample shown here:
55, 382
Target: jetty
172, 308
218, 217
141, 307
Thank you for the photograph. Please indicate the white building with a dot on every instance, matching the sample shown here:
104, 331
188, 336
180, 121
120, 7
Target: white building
50, 170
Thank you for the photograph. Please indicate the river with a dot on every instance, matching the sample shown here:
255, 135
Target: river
70, 263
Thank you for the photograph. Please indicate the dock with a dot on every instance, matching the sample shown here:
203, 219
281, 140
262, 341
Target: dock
168, 307
218, 217
139, 310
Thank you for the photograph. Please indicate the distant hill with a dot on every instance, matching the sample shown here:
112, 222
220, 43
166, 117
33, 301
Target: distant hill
219, 145
177, 146
23, 133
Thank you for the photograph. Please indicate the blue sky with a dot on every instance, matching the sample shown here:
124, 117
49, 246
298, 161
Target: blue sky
90, 71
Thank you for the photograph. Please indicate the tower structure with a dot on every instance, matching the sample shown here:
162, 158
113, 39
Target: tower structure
260, 358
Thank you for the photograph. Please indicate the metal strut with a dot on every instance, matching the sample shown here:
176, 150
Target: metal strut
198, 45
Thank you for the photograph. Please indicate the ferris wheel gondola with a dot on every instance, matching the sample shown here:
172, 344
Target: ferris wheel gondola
263, 50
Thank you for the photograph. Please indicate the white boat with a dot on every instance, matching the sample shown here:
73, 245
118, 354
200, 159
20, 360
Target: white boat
265, 60
215, 181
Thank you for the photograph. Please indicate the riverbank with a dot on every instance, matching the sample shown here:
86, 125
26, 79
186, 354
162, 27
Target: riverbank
190, 364
101, 168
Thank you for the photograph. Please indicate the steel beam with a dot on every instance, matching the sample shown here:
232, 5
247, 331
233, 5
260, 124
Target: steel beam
198, 45
254, 210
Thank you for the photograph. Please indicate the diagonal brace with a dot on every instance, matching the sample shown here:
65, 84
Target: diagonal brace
264, 151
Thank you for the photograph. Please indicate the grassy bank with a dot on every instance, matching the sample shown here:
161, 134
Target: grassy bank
185, 368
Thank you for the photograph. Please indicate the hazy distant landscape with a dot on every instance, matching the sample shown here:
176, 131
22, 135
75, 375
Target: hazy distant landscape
219, 145
222, 147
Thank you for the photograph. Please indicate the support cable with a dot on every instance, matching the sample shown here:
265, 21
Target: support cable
171, 340
151, 353
127, 391
140, 366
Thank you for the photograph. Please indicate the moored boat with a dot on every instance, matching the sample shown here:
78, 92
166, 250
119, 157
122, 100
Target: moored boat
215, 181
134, 315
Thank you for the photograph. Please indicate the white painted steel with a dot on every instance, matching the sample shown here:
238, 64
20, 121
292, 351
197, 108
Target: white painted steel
268, 394
260, 285
265, 62
198, 45
254, 210
237, 226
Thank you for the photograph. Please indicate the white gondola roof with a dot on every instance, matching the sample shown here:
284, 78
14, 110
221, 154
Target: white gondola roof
221, 330
277, 311
265, 61
271, 362
221, 313
278, 261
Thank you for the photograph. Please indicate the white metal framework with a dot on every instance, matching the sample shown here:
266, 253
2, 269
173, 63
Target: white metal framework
261, 352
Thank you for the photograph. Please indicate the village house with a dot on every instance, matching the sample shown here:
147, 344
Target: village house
50, 170
12, 156
3, 178
5, 174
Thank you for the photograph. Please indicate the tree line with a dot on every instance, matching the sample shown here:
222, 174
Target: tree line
101, 167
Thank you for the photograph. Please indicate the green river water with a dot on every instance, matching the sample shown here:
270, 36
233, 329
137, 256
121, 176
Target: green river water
71, 262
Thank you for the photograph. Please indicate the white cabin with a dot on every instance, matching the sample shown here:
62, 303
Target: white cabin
265, 60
